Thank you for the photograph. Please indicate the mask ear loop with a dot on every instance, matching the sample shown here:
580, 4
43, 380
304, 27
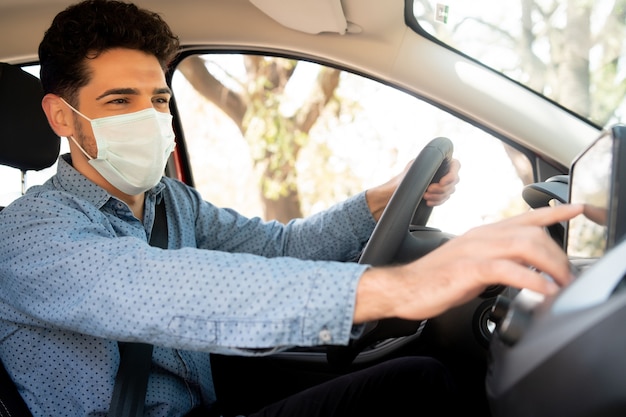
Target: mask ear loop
72, 137
77, 112
81, 148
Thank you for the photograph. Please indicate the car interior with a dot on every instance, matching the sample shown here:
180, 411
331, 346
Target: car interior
512, 352
511, 379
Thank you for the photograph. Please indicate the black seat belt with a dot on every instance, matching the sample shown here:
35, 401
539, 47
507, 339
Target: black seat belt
131, 381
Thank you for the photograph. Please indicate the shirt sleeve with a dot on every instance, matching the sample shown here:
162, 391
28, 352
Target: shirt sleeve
338, 233
69, 266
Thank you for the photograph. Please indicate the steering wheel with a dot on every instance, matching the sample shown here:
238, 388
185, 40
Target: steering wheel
401, 236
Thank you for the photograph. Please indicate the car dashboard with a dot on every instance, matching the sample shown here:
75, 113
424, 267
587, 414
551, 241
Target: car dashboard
581, 329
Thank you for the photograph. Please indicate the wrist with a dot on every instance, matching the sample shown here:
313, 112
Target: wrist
377, 199
377, 294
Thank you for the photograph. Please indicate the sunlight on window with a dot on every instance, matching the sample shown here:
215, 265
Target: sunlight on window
364, 138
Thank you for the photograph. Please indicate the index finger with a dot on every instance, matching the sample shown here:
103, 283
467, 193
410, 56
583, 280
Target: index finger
547, 216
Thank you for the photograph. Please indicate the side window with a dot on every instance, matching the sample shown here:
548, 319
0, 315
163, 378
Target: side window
280, 138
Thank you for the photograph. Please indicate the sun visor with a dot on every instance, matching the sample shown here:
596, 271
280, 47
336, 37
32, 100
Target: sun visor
309, 16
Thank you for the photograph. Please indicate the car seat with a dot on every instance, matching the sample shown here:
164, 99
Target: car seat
26, 143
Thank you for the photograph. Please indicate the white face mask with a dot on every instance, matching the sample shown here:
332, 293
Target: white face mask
133, 148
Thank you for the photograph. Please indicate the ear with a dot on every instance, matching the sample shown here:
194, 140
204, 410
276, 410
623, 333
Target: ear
59, 115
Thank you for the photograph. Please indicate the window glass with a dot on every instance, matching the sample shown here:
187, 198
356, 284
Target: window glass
571, 51
279, 139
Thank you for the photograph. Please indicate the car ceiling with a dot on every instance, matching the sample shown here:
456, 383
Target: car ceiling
371, 34
196, 22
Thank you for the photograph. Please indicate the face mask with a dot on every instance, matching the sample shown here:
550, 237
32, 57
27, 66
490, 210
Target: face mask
133, 148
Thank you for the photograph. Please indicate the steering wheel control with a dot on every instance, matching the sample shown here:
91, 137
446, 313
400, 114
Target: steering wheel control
512, 316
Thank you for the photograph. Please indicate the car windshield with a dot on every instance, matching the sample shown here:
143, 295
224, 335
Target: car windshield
570, 51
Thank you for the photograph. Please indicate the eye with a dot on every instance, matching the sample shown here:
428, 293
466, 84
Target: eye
161, 100
121, 100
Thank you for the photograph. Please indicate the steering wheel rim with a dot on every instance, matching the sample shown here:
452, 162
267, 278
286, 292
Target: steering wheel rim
406, 206
392, 234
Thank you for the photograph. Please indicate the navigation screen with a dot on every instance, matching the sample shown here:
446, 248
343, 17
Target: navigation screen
590, 184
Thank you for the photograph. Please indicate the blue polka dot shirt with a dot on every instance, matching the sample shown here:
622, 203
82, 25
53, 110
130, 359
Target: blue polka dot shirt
77, 275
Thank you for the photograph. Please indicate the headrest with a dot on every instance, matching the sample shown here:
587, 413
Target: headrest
26, 140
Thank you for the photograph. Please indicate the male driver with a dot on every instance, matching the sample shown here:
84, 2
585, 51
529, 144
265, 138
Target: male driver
78, 274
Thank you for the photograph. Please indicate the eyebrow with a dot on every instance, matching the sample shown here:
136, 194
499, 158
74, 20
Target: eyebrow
132, 91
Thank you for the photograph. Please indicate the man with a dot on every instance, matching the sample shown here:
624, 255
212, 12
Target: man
78, 274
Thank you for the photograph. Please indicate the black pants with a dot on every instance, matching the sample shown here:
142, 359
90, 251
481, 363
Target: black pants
414, 386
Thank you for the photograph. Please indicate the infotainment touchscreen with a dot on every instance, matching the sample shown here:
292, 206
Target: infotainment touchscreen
595, 181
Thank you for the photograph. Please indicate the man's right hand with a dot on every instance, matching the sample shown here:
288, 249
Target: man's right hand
512, 252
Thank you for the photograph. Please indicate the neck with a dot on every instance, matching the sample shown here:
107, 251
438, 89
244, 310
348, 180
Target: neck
135, 202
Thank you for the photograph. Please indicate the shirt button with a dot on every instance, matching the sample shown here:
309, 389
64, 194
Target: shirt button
326, 336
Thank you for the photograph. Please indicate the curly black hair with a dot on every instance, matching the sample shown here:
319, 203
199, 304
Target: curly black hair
86, 29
